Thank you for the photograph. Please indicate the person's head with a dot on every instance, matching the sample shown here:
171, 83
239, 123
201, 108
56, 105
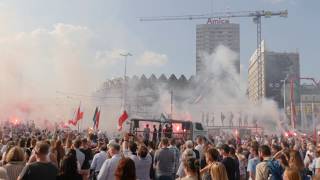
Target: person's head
188, 153
189, 144
172, 141
68, 165
212, 155
154, 126
125, 170
218, 171
274, 149
199, 140
133, 147
291, 174
254, 151
192, 167
15, 154
142, 151
232, 151
114, 148
77, 143
264, 151
84, 142
151, 145
22, 143
224, 150
147, 125
164, 142
42, 149
295, 160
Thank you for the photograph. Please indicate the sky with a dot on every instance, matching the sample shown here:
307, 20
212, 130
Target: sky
94, 32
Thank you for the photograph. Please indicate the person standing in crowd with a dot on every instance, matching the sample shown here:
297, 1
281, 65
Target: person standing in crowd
146, 134
176, 155
15, 162
159, 132
252, 163
236, 160
98, 160
200, 148
143, 164
263, 170
80, 156
125, 170
109, 166
164, 161
191, 169
60, 152
42, 168
212, 156
291, 174
218, 171
295, 162
187, 154
228, 162
68, 168
154, 134
152, 151
85, 168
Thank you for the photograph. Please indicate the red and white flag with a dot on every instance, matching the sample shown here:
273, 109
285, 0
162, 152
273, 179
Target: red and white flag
122, 119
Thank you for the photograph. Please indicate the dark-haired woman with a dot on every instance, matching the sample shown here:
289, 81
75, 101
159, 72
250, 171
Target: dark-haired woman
191, 169
125, 170
68, 168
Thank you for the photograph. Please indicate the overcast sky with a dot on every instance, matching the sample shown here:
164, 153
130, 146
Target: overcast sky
101, 29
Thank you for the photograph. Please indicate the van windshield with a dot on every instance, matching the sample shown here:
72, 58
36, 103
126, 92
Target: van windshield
198, 126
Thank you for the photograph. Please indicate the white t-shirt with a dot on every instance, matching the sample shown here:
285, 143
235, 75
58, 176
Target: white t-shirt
317, 165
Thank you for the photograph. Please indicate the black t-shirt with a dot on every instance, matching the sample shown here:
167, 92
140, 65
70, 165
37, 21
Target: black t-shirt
69, 177
230, 166
39, 171
88, 157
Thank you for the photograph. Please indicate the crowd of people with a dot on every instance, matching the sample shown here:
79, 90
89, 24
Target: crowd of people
32, 154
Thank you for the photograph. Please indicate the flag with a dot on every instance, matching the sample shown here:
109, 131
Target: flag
79, 115
122, 119
163, 118
96, 118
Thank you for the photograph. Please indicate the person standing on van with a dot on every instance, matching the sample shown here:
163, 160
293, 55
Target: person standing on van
146, 134
159, 132
154, 134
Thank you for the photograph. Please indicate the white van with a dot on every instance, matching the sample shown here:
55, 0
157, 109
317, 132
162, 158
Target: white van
186, 130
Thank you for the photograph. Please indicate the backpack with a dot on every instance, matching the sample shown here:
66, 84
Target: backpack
275, 170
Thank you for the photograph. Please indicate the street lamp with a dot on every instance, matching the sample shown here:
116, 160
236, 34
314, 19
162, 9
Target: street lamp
125, 55
284, 92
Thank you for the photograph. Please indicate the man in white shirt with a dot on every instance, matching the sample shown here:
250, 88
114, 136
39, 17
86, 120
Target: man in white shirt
99, 159
79, 154
109, 166
199, 147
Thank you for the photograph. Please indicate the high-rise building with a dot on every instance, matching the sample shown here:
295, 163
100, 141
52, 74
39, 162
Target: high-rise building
213, 34
275, 68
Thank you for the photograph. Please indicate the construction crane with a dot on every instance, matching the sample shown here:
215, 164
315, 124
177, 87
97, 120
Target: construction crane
256, 15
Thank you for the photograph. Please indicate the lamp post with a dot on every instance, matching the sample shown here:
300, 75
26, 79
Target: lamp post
125, 55
284, 93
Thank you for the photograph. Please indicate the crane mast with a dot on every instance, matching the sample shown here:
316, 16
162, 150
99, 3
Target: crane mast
256, 15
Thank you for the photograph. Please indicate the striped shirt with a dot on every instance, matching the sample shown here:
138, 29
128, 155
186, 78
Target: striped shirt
14, 168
